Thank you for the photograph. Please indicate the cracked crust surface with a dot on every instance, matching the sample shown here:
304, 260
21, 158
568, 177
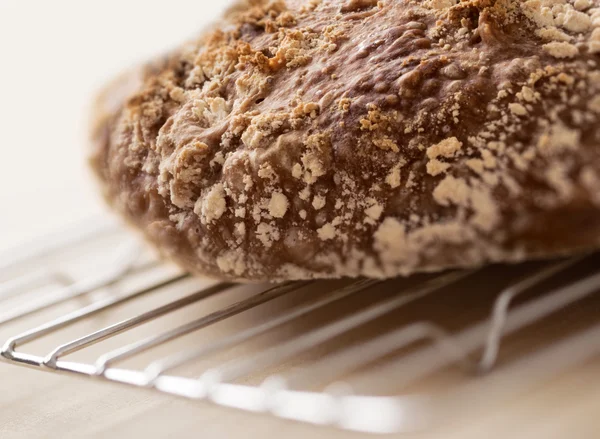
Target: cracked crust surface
327, 138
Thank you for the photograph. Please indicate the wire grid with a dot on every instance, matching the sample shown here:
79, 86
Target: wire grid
97, 268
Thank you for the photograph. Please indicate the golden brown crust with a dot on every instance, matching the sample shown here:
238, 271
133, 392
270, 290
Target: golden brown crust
328, 138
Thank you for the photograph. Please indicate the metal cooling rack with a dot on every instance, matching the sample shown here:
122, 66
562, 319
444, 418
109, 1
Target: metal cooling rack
368, 356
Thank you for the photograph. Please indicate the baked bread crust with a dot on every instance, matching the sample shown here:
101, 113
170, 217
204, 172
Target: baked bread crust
327, 138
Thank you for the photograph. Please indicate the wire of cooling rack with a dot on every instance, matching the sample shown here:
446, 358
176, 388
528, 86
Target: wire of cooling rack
423, 346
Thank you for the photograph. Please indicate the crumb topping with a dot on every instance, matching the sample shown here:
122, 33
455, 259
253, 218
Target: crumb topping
326, 138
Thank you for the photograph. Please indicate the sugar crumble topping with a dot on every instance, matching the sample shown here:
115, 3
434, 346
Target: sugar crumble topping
328, 138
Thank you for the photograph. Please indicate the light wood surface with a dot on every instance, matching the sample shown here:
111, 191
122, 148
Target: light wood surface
36, 404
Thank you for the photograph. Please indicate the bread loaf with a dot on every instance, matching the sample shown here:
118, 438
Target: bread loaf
302, 139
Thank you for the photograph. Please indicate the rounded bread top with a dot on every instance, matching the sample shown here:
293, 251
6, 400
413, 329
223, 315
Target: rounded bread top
327, 138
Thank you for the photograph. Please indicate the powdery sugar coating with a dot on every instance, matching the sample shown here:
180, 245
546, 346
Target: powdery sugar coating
328, 138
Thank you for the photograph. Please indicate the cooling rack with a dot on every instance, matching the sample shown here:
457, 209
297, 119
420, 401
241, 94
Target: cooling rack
370, 356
